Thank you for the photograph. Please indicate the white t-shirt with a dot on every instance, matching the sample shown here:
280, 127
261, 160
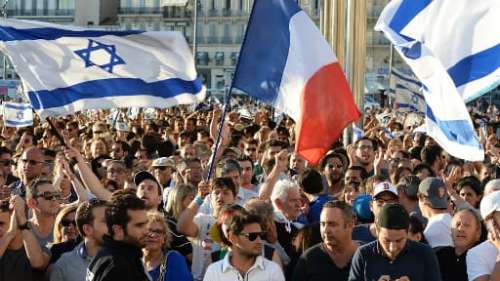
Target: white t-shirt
438, 231
201, 254
481, 260
262, 270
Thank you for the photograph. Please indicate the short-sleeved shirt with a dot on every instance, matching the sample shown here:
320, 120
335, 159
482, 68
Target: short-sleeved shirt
438, 231
417, 261
451, 265
316, 265
201, 255
481, 260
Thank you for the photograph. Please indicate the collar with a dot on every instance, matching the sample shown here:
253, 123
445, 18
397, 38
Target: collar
279, 217
81, 251
227, 266
122, 248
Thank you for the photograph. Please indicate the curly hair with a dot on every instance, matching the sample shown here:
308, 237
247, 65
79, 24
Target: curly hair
119, 204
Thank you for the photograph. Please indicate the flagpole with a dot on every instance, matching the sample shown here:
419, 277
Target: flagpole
228, 102
4, 14
391, 61
195, 23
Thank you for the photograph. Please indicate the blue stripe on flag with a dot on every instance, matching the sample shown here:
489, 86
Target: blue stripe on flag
17, 106
8, 33
102, 88
408, 10
265, 50
407, 79
406, 105
467, 134
399, 86
18, 123
475, 66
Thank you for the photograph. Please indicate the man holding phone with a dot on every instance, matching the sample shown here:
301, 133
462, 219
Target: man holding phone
483, 261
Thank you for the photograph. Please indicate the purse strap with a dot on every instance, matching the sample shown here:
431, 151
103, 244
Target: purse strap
163, 267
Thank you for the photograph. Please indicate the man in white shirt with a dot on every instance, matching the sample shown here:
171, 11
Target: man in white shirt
483, 261
433, 201
244, 260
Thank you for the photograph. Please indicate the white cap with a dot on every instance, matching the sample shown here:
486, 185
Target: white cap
384, 186
490, 204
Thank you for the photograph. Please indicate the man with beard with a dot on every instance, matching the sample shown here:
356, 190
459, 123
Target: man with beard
364, 154
119, 259
353, 182
244, 260
91, 225
332, 169
330, 260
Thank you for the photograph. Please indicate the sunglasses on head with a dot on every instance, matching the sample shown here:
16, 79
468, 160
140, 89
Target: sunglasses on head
66, 223
252, 236
47, 195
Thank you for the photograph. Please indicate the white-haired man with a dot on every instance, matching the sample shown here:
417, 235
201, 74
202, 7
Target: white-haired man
491, 186
286, 202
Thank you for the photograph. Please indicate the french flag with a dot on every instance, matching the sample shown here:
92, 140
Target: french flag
286, 62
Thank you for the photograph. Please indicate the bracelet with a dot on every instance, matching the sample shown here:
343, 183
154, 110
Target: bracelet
198, 200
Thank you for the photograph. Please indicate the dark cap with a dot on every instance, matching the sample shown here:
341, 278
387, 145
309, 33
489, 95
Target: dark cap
144, 175
434, 189
393, 216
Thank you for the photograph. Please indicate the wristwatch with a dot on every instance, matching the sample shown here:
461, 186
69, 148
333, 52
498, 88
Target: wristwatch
25, 226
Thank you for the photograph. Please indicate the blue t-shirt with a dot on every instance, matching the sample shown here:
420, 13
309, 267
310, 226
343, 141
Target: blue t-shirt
177, 269
315, 208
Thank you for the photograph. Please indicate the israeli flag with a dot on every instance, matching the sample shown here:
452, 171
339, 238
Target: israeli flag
17, 114
407, 92
453, 48
357, 133
66, 69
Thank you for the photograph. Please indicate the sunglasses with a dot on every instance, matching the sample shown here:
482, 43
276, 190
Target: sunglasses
6, 162
47, 195
66, 223
251, 149
251, 236
32, 162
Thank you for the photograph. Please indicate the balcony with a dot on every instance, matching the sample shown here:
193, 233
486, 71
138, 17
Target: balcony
51, 13
140, 10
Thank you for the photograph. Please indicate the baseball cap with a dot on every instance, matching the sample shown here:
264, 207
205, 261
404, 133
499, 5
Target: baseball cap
409, 186
490, 204
434, 189
393, 216
144, 175
384, 186
361, 207
163, 162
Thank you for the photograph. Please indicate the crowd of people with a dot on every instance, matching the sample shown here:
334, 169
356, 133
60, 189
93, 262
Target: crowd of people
133, 198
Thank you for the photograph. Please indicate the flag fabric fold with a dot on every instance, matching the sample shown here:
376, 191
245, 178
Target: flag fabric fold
65, 69
17, 114
286, 62
451, 48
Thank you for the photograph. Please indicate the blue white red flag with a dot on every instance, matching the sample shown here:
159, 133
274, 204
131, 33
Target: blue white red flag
286, 62
66, 69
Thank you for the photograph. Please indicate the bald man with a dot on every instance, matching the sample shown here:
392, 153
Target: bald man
30, 166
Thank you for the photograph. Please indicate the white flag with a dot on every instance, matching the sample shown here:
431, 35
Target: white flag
66, 69
17, 114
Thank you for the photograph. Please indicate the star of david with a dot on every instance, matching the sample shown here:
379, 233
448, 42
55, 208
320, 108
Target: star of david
94, 46
414, 98
20, 115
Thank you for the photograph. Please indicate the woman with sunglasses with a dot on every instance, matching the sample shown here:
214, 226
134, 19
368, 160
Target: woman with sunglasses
65, 225
162, 263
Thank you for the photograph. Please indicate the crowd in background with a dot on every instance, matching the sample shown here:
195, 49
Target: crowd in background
130, 198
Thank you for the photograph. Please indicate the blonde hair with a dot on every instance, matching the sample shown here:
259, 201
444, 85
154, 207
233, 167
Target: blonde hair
175, 198
155, 216
57, 233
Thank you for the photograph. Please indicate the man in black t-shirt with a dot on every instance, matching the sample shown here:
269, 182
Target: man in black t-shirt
331, 259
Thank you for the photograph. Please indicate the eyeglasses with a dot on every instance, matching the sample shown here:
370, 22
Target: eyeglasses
251, 149
156, 232
66, 223
32, 162
253, 235
382, 201
160, 168
6, 162
47, 195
